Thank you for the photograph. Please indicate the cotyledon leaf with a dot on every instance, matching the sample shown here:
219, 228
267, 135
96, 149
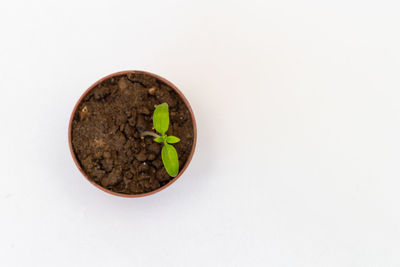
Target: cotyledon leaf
161, 118
170, 159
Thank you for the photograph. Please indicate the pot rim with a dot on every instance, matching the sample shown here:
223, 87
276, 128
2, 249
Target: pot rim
180, 95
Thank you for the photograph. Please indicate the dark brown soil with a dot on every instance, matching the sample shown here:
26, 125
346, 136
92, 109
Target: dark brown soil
106, 132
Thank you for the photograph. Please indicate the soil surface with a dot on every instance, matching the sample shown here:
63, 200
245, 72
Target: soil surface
106, 132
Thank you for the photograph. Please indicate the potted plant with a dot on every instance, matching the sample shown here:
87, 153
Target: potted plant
132, 133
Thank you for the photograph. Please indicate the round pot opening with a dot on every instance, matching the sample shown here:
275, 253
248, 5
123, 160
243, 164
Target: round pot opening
106, 128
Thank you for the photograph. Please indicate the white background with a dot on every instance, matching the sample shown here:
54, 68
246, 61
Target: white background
297, 105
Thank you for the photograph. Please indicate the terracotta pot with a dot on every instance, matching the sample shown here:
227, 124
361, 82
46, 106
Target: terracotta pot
183, 99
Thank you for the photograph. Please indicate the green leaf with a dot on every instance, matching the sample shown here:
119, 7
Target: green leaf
159, 139
173, 139
161, 118
170, 159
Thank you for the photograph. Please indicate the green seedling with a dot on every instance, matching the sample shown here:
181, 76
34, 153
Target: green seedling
168, 153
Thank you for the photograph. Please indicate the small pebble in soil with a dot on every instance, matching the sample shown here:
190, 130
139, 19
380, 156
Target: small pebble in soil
152, 90
83, 112
122, 84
